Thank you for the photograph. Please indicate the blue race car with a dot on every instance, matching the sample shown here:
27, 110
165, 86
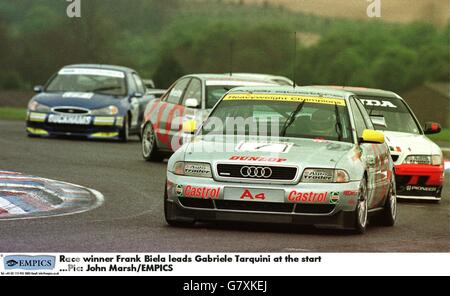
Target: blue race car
91, 101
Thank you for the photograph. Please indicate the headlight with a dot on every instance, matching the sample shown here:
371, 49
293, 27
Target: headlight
193, 169
110, 110
418, 159
38, 107
436, 160
325, 176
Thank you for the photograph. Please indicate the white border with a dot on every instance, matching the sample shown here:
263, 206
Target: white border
331, 264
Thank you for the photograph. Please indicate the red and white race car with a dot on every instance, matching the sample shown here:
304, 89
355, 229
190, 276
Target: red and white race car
419, 163
189, 99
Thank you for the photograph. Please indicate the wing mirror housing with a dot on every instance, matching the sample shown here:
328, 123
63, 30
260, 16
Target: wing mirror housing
432, 128
137, 95
38, 89
372, 136
192, 103
190, 126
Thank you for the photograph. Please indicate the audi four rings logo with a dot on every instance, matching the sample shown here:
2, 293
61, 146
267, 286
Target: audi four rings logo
256, 172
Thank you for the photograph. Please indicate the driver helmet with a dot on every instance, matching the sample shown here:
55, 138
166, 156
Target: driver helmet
323, 122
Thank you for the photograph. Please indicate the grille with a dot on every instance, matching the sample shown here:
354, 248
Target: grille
68, 128
68, 110
406, 179
254, 206
422, 181
196, 203
402, 179
314, 209
277, 173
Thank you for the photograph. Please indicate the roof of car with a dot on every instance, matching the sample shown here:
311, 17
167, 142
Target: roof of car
261, 76
362, 91
226, 77
102, 66
289, 90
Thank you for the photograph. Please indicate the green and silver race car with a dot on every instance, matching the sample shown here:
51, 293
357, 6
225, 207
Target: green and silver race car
283, 155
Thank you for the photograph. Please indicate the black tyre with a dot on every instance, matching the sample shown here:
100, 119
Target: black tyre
125, 132
389, 214
168, 214
149, 145
438, 195
362, 209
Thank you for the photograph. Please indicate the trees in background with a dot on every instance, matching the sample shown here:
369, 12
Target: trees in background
166, 39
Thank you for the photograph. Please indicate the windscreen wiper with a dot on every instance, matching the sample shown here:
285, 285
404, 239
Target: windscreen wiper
105, 88
291, 118
338, 122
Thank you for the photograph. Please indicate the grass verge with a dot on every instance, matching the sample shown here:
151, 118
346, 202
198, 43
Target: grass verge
9, 113
443, 136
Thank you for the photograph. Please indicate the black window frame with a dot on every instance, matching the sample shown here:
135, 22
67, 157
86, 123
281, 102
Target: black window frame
364, 113
355, 109
137, 78
166, 97
184, 98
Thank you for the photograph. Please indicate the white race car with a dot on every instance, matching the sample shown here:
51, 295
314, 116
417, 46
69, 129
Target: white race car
419, 163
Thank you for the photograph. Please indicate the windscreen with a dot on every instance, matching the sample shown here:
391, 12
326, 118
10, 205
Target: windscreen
281, 115
397, 115
89, 80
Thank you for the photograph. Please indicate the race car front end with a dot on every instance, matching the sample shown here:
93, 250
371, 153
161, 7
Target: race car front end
420, 176
419, 166
264, 191
301, 172
103, 123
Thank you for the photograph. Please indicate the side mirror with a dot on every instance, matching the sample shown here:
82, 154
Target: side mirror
190, 126
378, 121
192, 103
371, 136
137, 95
38, 89
432, 128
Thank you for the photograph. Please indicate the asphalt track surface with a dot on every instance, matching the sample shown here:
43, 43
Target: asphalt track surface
131, 218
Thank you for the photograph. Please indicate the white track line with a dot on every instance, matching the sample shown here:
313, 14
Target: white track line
419, 197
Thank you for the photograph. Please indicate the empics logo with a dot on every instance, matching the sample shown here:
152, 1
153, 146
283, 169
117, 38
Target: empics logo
11, 263
29, 262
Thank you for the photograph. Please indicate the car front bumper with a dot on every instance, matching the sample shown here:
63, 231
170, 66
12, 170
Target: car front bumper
419, 181
205, 199
99, 127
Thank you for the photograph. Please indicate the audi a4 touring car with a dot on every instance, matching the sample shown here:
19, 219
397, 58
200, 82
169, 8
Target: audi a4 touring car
419, 163
189, 99
92, 101
283, 155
